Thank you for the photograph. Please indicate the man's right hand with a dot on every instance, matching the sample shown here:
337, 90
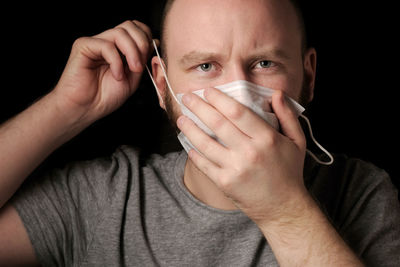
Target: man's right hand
103, 71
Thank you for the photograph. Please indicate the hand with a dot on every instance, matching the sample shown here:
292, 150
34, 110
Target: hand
260, 169
103, 71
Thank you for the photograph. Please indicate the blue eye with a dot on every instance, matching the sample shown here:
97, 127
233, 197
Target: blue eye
206, 67
265, 64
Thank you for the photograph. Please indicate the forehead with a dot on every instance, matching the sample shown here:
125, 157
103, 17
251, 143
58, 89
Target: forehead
193, 24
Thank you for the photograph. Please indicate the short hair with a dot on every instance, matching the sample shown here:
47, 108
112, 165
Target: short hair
295, 3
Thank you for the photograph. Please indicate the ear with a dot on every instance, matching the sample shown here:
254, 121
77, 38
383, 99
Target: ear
310, 68
159, 80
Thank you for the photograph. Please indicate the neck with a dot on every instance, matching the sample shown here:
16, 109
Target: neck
204, 189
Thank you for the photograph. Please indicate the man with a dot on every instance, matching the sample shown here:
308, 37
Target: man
256, 200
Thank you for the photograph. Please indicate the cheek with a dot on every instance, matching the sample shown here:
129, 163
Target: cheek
182, 83
293, 88
291, 85
173, 110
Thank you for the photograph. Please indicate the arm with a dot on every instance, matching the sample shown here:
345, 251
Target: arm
27, 139
307, 238
261, 170
95, 82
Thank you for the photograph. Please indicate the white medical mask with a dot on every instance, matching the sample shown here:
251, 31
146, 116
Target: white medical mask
253, 96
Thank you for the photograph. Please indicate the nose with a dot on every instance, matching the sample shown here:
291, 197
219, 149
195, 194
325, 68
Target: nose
237, 72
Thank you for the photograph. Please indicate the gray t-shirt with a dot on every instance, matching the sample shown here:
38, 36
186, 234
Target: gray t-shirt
122, 211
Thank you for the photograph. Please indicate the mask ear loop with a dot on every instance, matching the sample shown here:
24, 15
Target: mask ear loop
165, 75
154, 83
318, 145
301, 115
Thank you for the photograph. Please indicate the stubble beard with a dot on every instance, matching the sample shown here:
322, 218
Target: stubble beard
171, 111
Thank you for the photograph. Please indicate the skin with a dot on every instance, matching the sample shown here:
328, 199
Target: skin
94, 83
256, 45
260, 170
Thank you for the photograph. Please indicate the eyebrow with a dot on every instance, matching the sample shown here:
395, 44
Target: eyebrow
199, 57
274, 53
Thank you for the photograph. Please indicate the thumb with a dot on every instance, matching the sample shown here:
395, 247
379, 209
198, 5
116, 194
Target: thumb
288, 119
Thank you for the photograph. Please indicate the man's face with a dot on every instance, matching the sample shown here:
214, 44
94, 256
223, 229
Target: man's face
209, 43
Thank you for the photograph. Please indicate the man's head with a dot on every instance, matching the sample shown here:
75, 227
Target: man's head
208, 43
295, 4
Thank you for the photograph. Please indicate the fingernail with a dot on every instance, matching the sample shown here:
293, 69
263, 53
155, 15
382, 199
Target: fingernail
180, 121
191, 153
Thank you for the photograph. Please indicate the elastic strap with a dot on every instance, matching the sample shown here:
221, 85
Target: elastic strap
165, 75
318, 145
301, 115
154, 83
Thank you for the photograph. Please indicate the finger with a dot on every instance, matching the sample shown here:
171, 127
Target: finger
206, 166
126, 45
210, 148
98, 49
288, 120
213, 119
141, 35
241, 116
145, 29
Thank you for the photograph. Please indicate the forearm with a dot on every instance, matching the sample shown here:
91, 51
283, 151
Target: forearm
27, 139
307, 238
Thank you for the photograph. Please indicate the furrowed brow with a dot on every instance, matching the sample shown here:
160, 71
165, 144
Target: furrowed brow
270, 53
199, 57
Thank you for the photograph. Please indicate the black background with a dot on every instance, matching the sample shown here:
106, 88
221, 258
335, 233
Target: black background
354, 111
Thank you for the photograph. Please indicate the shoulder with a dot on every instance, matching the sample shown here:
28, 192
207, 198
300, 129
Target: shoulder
345, 172
349, 186
362, 203
133, 155
167, 167
129, 160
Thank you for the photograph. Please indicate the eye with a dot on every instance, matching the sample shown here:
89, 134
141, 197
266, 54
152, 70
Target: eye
205, 67
265, 64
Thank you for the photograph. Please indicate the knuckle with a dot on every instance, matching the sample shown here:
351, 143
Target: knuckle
143, 45
108, 45
236, 111
126, 23
143, 26
205, 146
252, 155
217, 122
135, 21
78, 42
303, 144
269, 140
225, 183
119, 31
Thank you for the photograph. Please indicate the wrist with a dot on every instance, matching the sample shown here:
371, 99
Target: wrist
73, 118
293, 216
61, 123
305, 236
